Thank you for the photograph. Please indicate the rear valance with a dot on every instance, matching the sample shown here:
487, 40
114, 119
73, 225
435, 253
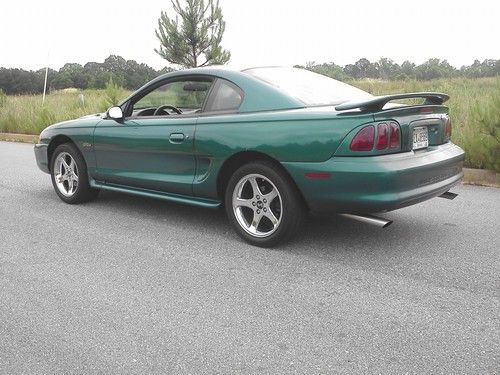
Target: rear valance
377, 102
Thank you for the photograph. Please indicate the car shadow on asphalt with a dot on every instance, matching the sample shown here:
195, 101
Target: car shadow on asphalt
326, 233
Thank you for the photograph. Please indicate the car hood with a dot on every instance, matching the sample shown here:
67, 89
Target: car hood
95, 115
87, 120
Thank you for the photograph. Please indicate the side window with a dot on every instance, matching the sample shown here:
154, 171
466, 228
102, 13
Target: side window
226, 97
173, 98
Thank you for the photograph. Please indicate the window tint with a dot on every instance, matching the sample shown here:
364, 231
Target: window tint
185, 95
226, 97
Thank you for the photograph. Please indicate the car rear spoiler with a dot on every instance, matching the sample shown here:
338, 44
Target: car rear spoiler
378, 102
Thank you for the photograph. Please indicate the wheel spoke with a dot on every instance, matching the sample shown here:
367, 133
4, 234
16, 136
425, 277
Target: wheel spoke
240, 202
270, 215
255, 221
270, 196
70, 185
255, 186
74, 176
65, 164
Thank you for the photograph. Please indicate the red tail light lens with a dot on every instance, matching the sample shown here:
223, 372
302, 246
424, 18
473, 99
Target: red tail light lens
447, 128
382, 136
388, 136
364, 140
394, 141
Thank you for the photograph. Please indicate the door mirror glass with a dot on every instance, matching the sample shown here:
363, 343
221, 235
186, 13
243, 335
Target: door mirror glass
115, 113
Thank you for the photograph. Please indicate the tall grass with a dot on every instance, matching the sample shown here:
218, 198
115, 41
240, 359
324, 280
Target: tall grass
3, 98
474, 108
28, 115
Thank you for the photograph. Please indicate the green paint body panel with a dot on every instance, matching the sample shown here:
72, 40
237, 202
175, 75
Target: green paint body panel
139, 153
303, 135
148, 156
380, 183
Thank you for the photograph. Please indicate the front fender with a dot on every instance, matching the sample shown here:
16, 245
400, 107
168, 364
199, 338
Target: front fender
79, 132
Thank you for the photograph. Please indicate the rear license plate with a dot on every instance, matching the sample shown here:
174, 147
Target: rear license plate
420, 138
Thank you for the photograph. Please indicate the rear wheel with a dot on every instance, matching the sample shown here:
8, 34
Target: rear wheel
69, 175
263, 205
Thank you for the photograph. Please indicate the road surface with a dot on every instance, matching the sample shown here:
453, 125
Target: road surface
126, 285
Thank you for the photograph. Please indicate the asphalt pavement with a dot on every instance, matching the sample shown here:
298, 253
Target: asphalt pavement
128, 285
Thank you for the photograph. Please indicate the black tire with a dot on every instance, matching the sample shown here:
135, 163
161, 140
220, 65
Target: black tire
290, 214
81, 191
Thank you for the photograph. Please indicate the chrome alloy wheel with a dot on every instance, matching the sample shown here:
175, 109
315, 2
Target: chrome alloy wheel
257, 205
66, 174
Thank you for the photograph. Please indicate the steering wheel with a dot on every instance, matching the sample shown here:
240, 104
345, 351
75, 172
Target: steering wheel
162, 108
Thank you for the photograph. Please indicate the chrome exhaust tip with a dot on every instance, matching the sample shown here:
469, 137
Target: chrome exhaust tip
369, 219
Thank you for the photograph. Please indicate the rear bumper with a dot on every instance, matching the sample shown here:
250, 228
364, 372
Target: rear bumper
379, 183
41, 157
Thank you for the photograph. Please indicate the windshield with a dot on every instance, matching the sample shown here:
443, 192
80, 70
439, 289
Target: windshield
310, 88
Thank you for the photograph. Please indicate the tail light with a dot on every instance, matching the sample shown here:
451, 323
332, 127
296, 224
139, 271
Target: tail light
395, 140
382, 136
364, 140
388, 136
447, 129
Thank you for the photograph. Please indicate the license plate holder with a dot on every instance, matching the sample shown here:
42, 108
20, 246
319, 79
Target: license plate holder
420, 138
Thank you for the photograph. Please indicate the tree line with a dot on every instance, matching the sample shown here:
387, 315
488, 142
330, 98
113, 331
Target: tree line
131, 75
387, 69
128, 74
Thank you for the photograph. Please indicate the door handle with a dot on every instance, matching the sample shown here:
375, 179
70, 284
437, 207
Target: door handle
177, 137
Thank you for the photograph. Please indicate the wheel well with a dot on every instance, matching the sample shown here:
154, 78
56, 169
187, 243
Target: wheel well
56, 141
241, 158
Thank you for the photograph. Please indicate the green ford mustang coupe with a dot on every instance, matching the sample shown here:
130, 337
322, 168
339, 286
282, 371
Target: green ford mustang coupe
267, 143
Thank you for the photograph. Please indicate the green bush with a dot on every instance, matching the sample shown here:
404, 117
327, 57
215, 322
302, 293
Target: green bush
113, 95
486, 143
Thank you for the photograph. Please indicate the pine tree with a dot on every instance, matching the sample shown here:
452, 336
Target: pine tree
193, 38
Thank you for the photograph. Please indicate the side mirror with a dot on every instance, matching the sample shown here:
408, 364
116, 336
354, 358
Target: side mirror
115, 113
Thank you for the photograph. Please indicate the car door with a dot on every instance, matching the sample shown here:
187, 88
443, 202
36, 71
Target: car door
152, 146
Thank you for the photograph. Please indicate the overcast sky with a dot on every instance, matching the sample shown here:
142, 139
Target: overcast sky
258, 32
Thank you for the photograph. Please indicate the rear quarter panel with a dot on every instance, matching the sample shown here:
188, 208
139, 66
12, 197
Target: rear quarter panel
305, 135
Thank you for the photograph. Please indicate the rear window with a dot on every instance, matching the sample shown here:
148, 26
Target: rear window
310, 88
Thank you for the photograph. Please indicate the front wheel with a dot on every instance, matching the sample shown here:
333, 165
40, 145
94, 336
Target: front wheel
69, 175
263, 205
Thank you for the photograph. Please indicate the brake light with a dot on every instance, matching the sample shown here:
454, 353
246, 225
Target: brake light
388, 136
364, 140
394, 141
447, 129
382, 136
